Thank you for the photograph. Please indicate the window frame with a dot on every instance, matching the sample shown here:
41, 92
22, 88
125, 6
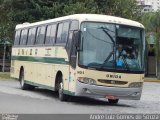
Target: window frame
18, 43
69, 47
47, 24
35, 27
36, 42
21, 40
63, 44
53, 41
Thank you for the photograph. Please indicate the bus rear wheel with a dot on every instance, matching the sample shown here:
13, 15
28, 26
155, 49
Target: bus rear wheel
23, 85
113, 101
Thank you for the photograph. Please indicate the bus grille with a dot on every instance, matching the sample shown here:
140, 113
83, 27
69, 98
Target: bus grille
112, 82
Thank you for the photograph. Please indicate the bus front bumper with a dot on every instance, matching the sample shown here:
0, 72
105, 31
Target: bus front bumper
104, 92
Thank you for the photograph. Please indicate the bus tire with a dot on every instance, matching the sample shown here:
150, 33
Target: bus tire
23, 85
113, 101
62, 96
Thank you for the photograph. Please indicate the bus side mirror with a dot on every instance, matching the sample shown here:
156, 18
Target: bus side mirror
76, 39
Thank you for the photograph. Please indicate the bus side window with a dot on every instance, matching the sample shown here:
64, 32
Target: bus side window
71, 48
24, 37
31, 36
51, 34
59, 32
69, 44
40, 35
73, 52
17, 37
74, 26
62, 34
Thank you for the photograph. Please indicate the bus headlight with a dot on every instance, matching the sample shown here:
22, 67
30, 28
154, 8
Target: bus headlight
135, 85
87, 80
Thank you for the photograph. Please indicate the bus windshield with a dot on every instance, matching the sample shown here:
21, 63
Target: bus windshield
111, 46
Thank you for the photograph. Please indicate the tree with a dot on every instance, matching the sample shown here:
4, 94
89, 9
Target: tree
152, 24
14, 12
122, 8
5, 24
83, 6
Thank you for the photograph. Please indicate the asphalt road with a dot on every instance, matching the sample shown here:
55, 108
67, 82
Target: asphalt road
40, 101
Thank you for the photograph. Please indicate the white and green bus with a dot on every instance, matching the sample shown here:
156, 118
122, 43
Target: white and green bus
95, 56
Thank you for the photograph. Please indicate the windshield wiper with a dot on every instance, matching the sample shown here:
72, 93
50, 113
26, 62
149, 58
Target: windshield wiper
108, 57
105, 30
93, 65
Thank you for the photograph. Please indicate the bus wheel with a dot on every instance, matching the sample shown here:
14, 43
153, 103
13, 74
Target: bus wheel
113, 101
21, 79
62, 96
23, 85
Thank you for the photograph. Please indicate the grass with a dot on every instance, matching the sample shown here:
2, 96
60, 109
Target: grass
4, 76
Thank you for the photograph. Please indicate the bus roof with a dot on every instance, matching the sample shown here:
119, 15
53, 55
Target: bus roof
86, 17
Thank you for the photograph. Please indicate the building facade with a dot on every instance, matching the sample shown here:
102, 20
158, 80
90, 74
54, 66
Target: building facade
149, 5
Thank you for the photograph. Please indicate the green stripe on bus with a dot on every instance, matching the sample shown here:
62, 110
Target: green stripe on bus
39, 85
40, 59
48, 87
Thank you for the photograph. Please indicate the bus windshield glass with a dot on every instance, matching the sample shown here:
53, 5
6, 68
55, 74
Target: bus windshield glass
111, 46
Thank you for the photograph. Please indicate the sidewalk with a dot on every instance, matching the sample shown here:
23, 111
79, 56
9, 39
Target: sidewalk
151, 79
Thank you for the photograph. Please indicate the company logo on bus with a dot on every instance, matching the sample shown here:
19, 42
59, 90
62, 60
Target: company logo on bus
113, 76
